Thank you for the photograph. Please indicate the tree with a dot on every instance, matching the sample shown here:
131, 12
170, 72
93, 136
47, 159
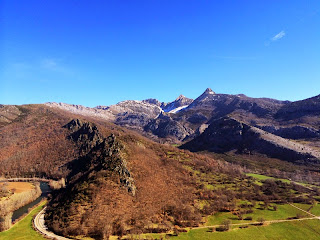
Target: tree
261, 220
226, 224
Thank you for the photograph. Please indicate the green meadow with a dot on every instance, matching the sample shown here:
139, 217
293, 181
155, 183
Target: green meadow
298, 230
23, 229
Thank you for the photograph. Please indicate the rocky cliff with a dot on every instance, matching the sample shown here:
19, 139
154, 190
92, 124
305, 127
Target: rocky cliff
97, 153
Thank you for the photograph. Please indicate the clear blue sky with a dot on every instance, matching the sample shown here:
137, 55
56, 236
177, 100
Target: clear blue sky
102, 52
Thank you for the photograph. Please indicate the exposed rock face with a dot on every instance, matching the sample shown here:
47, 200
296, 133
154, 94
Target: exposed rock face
295, 132
136, 107
197, 118
99, 112
202, 128
219, 105
227, 134
133, 120
205, 98
298, 109
164, 127
84, 134
135, 114
98, 153
179, 103
112, 160
154, 102
8, 113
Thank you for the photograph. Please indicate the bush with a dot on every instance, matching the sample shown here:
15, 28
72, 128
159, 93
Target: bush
261, 221
245, 226
225, 226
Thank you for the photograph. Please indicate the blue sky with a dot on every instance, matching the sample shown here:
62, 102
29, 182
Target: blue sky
102, 52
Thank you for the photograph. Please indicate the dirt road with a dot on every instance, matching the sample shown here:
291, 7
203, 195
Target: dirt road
39, 225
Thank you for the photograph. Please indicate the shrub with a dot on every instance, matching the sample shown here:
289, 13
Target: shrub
261, 220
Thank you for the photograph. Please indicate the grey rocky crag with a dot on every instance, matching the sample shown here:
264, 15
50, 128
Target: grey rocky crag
178, 104
294, 132
97, 153
8, 113
85, 134
164, 127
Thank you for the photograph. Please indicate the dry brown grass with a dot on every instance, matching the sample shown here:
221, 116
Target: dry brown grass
18, 187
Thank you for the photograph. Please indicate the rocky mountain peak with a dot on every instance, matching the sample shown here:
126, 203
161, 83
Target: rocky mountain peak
209, 91
181, 97
207, 95
178, 104
152, 101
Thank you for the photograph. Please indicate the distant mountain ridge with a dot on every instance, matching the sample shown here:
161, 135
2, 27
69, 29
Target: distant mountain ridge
185, 119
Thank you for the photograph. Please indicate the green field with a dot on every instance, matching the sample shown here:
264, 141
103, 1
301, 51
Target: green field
306, 229
316, 210
283, 212
261, 177
264, 177
23, 229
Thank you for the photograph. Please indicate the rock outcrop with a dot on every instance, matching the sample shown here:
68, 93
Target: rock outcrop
165, 127
180, 103
97, 153
294, 132
86, 135
8, 113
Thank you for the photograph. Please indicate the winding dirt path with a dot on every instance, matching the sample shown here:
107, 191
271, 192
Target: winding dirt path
40, 226
304, 211
256, 223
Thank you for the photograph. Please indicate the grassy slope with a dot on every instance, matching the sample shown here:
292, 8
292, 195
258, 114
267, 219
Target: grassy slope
308, 229
316, 209
264, 177
23, 229
283, 212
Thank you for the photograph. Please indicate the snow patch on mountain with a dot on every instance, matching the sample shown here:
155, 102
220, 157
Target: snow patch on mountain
178, 109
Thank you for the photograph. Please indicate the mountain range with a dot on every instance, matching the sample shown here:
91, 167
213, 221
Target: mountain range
201, 124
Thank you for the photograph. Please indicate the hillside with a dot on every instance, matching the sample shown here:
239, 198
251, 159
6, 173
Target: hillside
34, 144
228, 134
